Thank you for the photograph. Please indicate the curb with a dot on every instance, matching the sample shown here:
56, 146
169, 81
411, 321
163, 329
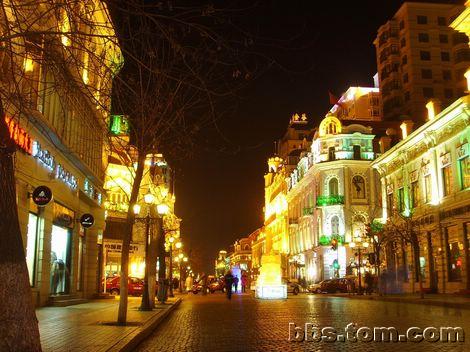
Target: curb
130, 342
414, 301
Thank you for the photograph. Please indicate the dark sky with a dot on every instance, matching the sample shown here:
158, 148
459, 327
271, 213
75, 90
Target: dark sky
220, 196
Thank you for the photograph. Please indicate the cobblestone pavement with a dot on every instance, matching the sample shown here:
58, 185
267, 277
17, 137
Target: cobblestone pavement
212, 323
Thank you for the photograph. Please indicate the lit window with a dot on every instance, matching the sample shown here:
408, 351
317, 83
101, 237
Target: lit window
401, 199
427, 188
335, 225
64, 27
447, 180
464, 169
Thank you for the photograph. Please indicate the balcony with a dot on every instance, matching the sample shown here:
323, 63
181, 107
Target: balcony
329, 200
308, 211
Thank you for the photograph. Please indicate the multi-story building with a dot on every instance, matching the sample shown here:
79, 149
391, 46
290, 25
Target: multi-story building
419, 57
289, 148
426, 179
58, 117
118, 183
358, 103
331, 196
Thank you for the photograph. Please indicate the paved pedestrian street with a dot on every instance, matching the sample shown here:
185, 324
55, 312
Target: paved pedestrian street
212, 323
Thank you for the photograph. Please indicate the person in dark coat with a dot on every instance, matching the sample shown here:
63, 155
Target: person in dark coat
228, 278
235, 284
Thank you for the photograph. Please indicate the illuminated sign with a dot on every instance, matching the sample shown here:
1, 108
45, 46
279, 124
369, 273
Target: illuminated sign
22, 139
60, 173
118, 125
92, 192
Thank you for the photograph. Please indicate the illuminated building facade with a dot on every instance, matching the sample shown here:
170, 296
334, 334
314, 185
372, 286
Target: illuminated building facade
419, 57
61, 142
156, 180
427, 177
358, 103
331, 194
221, 264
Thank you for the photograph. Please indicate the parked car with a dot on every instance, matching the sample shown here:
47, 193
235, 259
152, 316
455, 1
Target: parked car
292, 287
135, 285
197, 287
335, 285
316, 287
217, 285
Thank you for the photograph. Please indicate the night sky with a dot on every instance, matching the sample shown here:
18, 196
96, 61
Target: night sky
220, 195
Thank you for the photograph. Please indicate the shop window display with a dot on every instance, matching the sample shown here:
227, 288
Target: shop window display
60, 247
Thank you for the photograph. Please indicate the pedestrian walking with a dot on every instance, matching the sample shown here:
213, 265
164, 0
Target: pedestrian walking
244, 279
235, 284
228, 278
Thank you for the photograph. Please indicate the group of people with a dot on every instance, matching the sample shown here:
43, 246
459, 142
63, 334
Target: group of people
231, 282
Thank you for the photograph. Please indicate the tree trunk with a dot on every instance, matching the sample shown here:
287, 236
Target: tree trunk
126, 241
18, 323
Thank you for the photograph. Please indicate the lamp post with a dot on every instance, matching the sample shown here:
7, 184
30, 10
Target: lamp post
359, 243
149, 198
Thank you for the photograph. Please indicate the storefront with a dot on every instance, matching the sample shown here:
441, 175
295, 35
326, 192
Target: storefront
60, 255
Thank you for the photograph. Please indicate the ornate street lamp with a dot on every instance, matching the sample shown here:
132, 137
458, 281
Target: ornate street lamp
359, 243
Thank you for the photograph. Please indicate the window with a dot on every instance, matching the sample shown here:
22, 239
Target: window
331, 153
464, 170
31, 247
443, 38
428, 92
445, 56
425, 55
401, 200
427, 188
454, 260
407, 96
358, 187
448, 93
402, 24
422, 19
423, 37
414, 194
404, 60
335, 225
447, 180
441, 21
333, 187
356, 152
446, 75
390, 203
402, 42
405, 78
426, 73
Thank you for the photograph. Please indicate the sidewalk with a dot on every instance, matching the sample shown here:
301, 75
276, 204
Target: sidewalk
84, 327
441, 300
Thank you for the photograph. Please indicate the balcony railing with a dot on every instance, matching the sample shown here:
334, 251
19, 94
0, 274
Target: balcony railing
329, 200
308, 211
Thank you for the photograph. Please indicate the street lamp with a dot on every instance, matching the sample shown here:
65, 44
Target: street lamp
149, 198
358, 243
178, 246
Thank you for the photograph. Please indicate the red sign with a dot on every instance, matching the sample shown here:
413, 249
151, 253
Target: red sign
22, 139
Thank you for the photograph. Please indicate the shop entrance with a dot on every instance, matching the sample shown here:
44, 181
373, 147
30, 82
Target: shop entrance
60, 260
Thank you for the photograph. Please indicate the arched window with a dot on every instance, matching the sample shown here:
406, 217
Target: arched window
333, 187
358, 187
247, 247
331, 128
335, 225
